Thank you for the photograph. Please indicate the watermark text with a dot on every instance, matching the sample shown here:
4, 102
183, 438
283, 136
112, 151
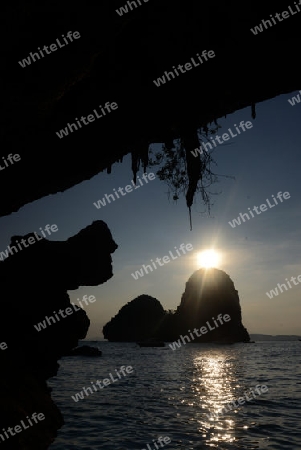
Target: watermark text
263, 208
166, 259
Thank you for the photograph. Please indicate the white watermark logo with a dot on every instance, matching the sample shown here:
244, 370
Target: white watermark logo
165, 259
31, 240
275, 292
3, 345
68, 311
263, 208
106, 381
11, 158
18, 428
241, 401
295, 100
53, 48
90, 118
124, 9
203, 330
284, 14
183, 68
221, 139
128, 189
166, 440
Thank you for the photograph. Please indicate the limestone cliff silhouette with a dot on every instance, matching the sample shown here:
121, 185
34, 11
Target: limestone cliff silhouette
208, 293
137, 320
34, 284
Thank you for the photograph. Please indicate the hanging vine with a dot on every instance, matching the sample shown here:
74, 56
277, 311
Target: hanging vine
184, 173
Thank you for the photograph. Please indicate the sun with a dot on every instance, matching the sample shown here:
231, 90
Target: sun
208, 258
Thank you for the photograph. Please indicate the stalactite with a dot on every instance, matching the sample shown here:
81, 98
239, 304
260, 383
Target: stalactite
144, 158
135, 164
193, 164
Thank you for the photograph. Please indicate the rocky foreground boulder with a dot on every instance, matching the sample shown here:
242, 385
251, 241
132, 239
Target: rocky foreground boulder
34, 284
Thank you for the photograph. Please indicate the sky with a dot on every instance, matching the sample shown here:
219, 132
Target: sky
257, 255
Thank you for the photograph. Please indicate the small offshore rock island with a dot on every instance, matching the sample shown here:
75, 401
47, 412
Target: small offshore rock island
208, 294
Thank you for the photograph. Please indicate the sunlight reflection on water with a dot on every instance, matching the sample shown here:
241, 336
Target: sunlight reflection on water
174, 393
215, 377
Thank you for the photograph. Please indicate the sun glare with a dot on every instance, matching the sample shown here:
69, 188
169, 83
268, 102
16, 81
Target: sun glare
208, 258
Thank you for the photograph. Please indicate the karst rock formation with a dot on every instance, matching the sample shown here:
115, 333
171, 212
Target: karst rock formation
34, 284
137, 320
208, 293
